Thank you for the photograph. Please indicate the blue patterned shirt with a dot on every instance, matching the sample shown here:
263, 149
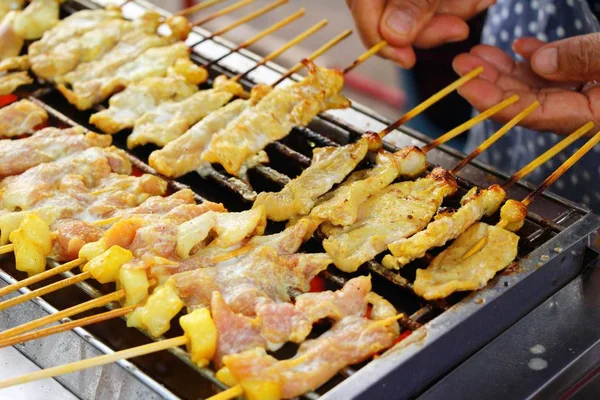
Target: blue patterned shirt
548, 20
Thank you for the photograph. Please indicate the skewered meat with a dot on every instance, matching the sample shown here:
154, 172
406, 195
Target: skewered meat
340, 207
91, 45
398, 211
129, 105
10, 41
263, 274
74, 25
183, 154
21, 118
10, 5
10, 82
330, 165
46, 145
23, 191
349, 341
153, 62
514, 213
274, 117
170, 120
474, 205
38, 17
449, 273
20, 63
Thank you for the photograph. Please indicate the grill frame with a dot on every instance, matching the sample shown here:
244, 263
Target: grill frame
401, 360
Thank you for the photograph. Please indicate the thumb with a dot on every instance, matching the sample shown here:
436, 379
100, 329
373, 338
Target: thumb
573, 59
403, 20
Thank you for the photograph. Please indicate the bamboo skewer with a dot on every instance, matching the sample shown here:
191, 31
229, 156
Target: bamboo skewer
432, 100
550, 179
96, 361
7, 248
231, 393
79, 308
365, 56
283, 49
317, 53
223, 11
492, 139
78, 323
197, 7
469, 124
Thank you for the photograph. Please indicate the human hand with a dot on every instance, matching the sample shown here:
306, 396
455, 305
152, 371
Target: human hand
405, 24
560, 75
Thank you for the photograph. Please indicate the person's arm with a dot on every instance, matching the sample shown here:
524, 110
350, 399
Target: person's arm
406, 24
561, 75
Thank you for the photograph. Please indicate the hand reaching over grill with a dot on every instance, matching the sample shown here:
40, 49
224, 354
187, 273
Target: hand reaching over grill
405, 24
560, 75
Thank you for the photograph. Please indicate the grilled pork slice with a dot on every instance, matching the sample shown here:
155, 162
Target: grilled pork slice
153, 62
448, 272
398, 211
10, 5
46, 145
20, 63
10, 42
350, 341
37, 18
129, 105
11, 81
72, 26
21, 192
21, 118
330, 165
170, 120
474, 205
274, 117
340, 207
183, 154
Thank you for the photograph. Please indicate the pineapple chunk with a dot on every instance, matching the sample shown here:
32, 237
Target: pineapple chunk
105, 267
155, 316
201, 331
255, 389
32, 243
136, 285
225, 376
92, 250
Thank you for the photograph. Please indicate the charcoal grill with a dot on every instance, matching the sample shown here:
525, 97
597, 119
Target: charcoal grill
554, 248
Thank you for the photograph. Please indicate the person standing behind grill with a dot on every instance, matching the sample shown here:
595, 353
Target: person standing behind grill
556, 45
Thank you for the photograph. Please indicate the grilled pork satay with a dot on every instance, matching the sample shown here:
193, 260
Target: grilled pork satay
10, 42
11, 81
20, 63
44, 146
274, 117
474, 205
74, 197
153, 62
169, 121
23, 191
351, 340
21, 118
91, 45
37, 18
10, 5
129, 105
398, 211
183, 154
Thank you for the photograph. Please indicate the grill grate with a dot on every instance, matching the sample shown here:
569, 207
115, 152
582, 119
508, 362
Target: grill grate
288, 158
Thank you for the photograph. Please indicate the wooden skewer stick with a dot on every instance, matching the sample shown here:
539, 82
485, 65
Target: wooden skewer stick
45, 290
41, 276
197, 7
78, 323
96, 361
283, 48
231, 393
79, 308
432, 100
317, 53
560, 146
258, 36
469, 124
249, 17
548, 181
365, 56
223, 11
492, 139
7, 248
